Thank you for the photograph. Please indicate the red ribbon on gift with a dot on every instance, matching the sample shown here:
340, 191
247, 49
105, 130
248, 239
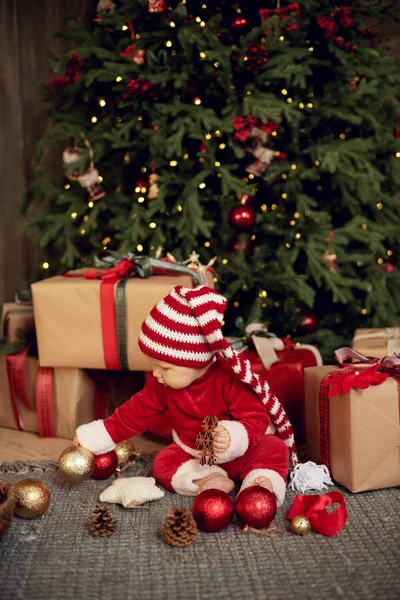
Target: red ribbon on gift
362, 374
109, 278
314, 509
113, 328
15, 365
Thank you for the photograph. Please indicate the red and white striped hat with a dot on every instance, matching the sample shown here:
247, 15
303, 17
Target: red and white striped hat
184, 329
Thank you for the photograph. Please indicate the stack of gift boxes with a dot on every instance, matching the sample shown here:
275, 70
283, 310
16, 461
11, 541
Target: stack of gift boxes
87, 324
87, 327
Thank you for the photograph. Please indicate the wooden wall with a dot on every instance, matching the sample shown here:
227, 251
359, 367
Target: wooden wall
26, 30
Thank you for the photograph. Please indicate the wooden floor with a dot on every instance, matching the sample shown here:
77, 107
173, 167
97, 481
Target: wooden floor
20, 445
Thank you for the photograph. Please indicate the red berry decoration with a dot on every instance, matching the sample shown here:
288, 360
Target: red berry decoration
213, 510
240, 246
242, 217
105, 465
309, 322
256, 507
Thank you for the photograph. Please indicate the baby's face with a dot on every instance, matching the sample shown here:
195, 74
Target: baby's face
173, 376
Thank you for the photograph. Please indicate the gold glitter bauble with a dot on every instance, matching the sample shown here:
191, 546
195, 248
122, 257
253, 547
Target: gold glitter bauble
300, 525
76, 464
125, 452
33, 498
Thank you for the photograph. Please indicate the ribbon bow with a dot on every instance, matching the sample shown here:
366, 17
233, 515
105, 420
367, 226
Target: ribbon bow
344, 381
243, 127
313, 508
361, 374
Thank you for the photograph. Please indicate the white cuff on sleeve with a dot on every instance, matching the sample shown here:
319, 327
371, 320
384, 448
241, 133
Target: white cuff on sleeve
95, 437
239, 441
278, 483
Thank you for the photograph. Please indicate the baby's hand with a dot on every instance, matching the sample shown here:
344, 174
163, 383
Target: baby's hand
76, 441
222, 439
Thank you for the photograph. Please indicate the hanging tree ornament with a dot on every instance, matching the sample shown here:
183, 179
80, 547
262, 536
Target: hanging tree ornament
242, 217
74, 167
157, 6
309, 322
153, 187
137, 55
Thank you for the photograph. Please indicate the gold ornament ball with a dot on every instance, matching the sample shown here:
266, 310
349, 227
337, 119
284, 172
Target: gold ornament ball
33, 498
125, 451
300, 525
76, 464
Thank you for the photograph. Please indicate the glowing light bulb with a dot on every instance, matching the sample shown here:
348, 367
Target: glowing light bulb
45, 265
94, 119
139, 248
152, 225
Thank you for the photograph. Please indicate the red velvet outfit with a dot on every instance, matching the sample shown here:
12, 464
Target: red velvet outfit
252, 452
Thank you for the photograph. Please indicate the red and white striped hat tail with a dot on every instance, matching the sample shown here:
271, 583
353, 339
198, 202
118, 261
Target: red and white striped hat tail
276, 412
208, 307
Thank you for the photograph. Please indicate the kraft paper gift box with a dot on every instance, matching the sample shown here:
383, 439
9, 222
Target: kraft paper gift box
378, 342
14, 317
73, 399
69, 320
363, 432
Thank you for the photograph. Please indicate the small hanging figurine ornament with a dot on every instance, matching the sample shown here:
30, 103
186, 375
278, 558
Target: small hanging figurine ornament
74, 161
205, 441
157, 6
153, 186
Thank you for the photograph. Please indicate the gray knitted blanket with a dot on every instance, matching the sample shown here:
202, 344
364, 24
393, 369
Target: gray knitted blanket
55, 558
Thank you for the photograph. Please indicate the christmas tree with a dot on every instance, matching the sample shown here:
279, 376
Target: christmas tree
262, 133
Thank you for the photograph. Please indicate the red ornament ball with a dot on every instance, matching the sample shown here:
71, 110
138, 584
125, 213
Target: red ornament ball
389, 268
256, 507
240, 24
309, 322
105, 465
213, 510
242, 217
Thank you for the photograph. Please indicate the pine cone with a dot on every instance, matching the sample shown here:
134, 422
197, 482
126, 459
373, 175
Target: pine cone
102, 522
180, 528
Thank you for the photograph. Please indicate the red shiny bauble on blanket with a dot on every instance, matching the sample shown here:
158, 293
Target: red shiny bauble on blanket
212, 510
256, 507
105, 465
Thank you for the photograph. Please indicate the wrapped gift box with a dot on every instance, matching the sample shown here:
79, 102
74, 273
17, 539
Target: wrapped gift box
73, 399
363, 432
14, 317
69, 320
378, 342
73, 396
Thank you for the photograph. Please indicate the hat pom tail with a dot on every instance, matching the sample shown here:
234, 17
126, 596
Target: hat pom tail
309, 476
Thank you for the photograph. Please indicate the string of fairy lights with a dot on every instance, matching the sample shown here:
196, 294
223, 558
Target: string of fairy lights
141, 188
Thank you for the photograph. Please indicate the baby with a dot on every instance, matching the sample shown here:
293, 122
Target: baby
197, 374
